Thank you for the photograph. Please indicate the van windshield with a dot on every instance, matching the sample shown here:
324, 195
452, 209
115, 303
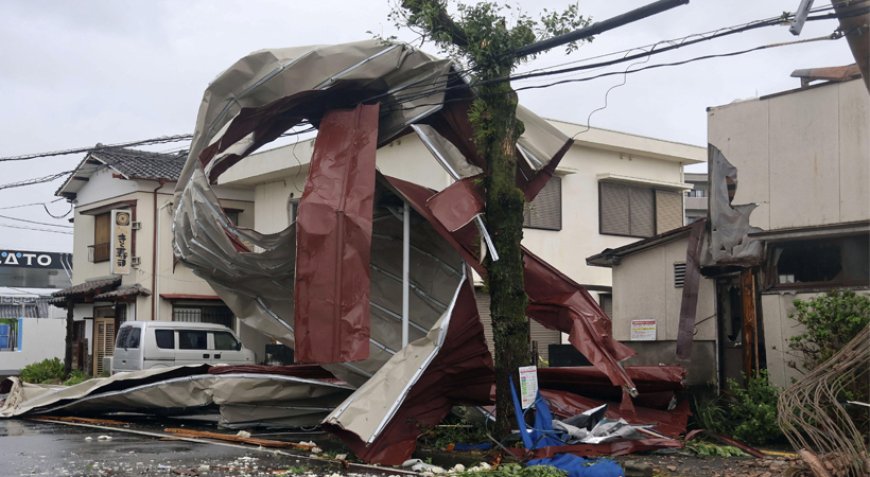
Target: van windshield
225, 341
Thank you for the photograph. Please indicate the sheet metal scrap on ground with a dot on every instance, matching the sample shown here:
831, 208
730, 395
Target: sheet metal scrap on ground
330, 285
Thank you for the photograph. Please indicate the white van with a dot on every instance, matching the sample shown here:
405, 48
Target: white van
160, 344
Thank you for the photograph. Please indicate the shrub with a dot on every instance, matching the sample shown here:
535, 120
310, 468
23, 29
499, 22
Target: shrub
747, 413
45, 371
75, 377
752, 410
831, 320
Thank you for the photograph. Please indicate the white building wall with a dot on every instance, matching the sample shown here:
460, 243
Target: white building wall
803, 156
42, 338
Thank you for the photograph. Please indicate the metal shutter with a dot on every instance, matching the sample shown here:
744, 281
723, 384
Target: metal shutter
669, 211
545, 211
642, 217
614, 208
544, 338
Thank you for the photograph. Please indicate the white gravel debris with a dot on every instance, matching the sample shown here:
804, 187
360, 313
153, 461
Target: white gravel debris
244, 434
89, 438
104, 438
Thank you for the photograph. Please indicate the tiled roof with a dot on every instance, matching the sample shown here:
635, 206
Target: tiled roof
136, 164
128, 291
96, 286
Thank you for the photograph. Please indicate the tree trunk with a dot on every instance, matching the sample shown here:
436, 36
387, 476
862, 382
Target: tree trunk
496, 131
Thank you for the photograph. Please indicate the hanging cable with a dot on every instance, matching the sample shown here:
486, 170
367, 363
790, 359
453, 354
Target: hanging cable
35, 222
36, 229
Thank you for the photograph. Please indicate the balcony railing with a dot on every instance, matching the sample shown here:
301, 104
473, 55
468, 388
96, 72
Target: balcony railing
98, 252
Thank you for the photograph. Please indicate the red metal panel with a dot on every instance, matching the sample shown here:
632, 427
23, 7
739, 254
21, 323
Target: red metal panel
458, 204
333, 239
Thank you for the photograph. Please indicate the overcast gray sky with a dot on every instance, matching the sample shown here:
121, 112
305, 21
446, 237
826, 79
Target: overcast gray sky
77, 73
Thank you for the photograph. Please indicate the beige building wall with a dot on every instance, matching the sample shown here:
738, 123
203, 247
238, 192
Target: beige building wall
802, 156
644, 289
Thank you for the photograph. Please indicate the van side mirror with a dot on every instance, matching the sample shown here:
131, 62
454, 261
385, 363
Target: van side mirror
238, 346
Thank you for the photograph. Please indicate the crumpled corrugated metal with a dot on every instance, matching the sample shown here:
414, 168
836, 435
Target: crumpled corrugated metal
258, 99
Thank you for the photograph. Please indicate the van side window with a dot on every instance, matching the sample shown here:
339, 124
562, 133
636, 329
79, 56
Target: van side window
192, 339
165, 339
224, 341
133, 338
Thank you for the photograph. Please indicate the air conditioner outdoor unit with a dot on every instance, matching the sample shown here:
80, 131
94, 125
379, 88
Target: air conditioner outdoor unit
107, 365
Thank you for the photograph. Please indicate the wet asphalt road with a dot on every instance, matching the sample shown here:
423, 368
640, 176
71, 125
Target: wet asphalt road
47, 449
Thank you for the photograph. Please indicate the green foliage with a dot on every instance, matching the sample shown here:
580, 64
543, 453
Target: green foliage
76, 377
517, 470
747, 413
831, 320
752, 410
709, 414
48, 371
708, 449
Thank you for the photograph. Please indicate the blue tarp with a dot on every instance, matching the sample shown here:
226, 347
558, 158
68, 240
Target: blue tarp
542, 435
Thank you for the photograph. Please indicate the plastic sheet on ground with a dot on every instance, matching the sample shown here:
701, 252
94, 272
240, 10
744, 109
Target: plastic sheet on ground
242, 399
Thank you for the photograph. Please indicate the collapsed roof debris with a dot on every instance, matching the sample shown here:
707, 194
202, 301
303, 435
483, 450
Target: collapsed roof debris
330, 285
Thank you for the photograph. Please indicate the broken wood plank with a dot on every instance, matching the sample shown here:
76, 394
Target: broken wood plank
236, 438
81, 420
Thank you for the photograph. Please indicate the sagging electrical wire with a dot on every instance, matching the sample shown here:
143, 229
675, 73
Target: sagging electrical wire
36, 180
36, 222
36, 229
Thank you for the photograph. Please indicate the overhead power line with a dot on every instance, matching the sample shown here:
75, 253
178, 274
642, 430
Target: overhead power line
34, 181
64, 152
36, 229
35, 222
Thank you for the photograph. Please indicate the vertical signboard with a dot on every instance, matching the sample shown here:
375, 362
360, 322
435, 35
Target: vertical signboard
528, 385
121, 242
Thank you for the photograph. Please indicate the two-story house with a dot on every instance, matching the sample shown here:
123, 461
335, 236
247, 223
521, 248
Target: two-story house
124, 268
610, 189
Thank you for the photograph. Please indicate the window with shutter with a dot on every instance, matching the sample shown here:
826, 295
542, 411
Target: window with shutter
669, 211
545, 211
101, 238
637, 211
614, 209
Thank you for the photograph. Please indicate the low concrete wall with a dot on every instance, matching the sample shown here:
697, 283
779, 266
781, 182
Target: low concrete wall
702, 366
41, 338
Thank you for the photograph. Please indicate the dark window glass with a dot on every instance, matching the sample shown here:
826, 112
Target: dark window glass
165, 339
133, 338
224, 341
824, 262
121, 340
192, 340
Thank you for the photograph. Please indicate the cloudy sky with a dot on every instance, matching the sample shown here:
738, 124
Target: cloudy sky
77, 73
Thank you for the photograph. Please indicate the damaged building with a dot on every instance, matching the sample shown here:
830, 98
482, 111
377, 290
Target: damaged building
789, 218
